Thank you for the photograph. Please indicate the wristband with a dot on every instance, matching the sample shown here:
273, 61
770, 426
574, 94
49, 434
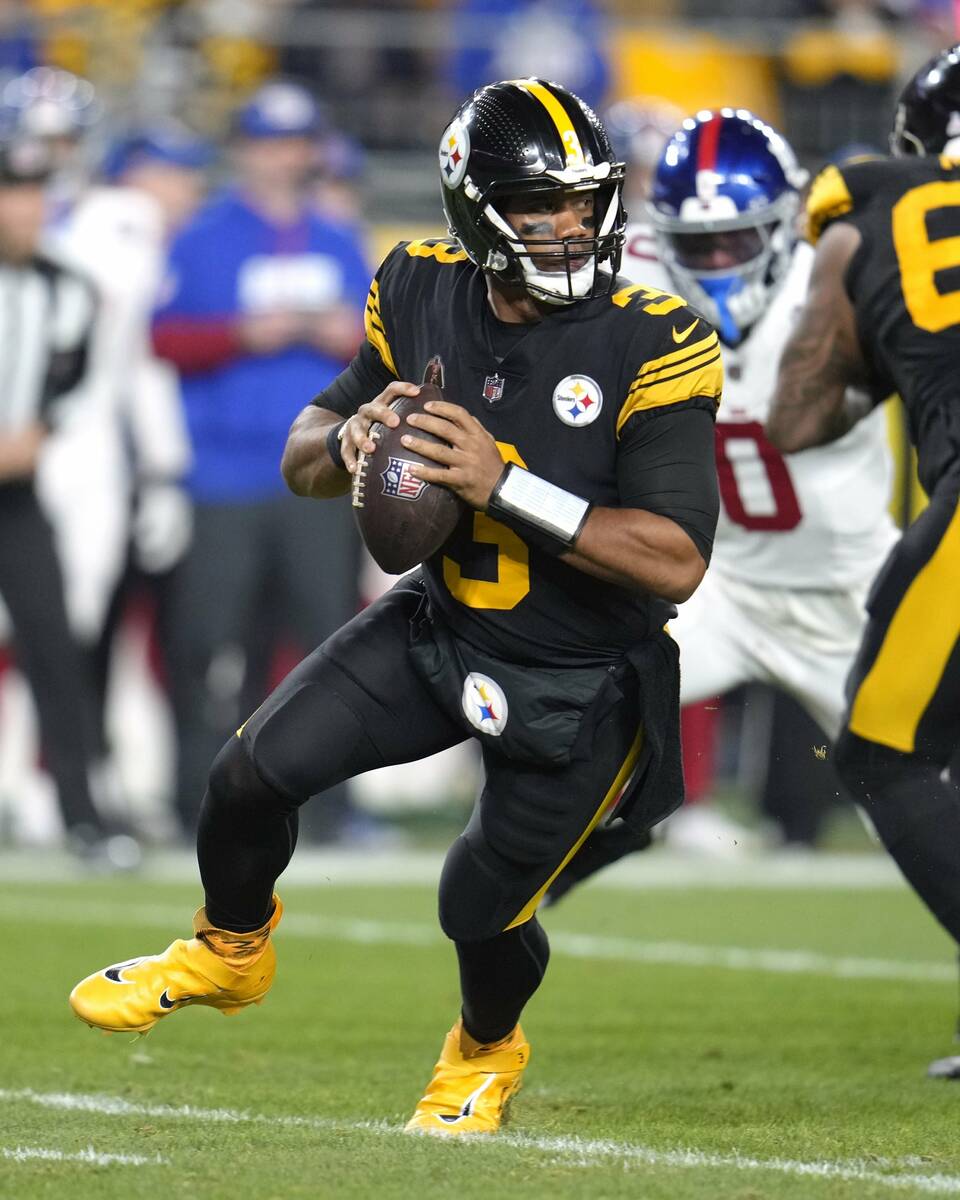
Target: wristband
334, 446
543, 505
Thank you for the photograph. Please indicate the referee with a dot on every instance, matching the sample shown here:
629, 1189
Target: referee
47, 313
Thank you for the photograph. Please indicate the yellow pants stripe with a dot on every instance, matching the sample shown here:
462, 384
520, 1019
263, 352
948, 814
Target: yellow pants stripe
916, 647
616, 788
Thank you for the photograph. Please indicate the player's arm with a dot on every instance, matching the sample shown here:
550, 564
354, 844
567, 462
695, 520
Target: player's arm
325, 439
660, 541
818, 396
631, 546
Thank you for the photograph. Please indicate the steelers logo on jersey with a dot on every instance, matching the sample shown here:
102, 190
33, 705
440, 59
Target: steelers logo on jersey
577, 400
484, 704
454, 152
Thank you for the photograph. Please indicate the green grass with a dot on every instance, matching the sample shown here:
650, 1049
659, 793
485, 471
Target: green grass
803, 1067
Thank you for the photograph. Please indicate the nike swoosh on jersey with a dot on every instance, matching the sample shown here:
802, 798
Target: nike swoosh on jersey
682, 337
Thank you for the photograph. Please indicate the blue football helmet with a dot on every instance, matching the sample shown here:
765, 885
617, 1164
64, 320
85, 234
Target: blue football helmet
724, 208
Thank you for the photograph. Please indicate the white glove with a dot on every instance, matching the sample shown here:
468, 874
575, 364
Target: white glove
162, 527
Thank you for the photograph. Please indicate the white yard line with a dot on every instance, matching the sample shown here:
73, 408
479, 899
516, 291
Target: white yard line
91, 1157
584, 1152
24, 909
657, 869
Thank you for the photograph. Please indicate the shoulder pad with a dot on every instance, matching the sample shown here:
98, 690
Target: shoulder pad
837, 191
640, 298
441, 250
691, 369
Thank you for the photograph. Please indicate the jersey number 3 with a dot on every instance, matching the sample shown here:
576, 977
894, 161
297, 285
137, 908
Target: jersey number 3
513, 560
755, 483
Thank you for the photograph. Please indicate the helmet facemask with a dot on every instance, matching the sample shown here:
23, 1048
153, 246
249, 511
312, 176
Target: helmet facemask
564, 270
904, 143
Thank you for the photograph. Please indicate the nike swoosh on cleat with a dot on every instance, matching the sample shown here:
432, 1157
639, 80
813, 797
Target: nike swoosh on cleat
167, 1002
682, 337
115, 973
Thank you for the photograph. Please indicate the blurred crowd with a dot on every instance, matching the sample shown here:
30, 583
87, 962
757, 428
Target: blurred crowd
218, 171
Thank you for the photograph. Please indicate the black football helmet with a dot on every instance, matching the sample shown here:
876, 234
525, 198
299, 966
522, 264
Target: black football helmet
928, 111
528, 136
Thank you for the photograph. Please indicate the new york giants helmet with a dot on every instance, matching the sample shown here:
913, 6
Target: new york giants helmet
533, 138
724, 209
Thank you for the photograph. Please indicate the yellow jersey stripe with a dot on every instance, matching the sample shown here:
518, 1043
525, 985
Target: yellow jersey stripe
829, 198
675, 373
914, 653
612, 796
373, 325
676, 358
705, 381
558, 114
674, 370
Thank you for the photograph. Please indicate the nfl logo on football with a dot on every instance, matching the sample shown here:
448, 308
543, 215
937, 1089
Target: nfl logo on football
399, 482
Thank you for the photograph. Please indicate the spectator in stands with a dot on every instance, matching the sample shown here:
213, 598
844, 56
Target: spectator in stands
265, 305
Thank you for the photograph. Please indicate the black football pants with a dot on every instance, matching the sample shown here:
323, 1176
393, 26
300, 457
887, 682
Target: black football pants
903, 726
31, 585
356, 704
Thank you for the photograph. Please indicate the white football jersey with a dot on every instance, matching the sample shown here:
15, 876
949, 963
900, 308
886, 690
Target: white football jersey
816, 520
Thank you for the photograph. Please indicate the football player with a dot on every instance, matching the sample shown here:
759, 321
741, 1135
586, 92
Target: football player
798, 541
883, 315
579, 433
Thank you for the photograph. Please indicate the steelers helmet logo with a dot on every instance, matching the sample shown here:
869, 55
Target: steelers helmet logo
454, 152
577, 400
484, 704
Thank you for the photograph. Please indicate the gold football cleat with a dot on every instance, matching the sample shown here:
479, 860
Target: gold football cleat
217, 968
469, 1090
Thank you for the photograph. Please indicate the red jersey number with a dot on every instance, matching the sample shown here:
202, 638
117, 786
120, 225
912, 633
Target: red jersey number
755, 482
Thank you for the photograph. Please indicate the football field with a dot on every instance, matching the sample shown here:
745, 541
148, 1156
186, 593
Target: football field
740, 1037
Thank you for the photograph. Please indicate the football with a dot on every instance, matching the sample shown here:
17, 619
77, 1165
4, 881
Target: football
402, 519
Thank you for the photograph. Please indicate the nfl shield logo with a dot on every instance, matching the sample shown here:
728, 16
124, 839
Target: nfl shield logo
399, 483
493, 388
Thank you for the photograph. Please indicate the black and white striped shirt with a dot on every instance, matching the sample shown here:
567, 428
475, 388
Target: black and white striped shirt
47, 315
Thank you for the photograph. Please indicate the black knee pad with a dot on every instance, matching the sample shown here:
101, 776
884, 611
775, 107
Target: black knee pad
866, 767
234, 781
475, 894
898, 791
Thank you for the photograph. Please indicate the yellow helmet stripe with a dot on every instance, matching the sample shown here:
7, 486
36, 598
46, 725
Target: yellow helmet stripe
558, 114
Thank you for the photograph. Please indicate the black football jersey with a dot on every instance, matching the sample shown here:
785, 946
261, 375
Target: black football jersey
574, 398
904, 283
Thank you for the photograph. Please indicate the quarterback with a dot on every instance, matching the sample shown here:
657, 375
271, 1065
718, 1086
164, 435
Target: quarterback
578, 430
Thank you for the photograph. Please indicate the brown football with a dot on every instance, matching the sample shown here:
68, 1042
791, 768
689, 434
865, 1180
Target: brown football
402, 519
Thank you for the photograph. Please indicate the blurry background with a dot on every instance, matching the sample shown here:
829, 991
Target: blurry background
150, 84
